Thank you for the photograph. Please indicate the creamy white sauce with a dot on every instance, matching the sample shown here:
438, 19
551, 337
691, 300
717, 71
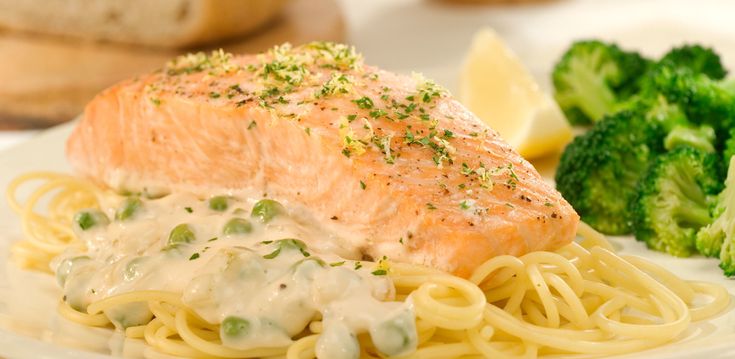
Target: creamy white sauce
264, 285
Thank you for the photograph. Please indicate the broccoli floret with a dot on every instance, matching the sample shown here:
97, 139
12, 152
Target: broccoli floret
592, 77
598, 171
718, 238
704, 101
654, 107
729, 150
728, 84
673, 200
697, 58
702, 138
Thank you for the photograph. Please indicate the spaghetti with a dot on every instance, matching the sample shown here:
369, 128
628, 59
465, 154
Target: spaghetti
583, 298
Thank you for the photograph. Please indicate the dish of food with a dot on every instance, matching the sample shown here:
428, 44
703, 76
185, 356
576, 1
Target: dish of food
300, 203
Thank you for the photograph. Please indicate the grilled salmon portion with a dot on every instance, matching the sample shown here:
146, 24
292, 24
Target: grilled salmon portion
391, 163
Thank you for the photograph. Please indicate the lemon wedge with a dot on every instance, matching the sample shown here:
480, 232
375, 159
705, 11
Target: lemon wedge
496, 86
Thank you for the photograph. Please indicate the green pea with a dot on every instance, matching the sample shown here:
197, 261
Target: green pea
234, 326
305, 269
66, 266
129, 314
181, 234
288, 244
338, 341
396, 335
291, 243
128, 208
132, 269
173, 250
218, 203
90, 218
237, 226
265, 209
154, 193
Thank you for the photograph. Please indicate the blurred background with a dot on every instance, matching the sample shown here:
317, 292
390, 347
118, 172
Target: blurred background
57, 54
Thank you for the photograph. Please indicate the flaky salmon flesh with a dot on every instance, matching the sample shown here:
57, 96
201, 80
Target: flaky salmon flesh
390, 162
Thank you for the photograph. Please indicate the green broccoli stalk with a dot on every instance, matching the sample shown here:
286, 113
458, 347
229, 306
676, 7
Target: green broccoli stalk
598, 171
718, 238
673, 200
592, 77
710, 239
701, 138
697, 58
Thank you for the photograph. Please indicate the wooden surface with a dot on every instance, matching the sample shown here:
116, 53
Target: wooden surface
46, 80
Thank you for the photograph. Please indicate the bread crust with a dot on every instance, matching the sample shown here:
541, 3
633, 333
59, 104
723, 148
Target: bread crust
161, 23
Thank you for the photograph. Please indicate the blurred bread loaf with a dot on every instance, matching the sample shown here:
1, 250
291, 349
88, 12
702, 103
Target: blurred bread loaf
45, 80
160, 23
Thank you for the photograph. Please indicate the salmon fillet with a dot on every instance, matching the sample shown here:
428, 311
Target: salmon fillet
392, 162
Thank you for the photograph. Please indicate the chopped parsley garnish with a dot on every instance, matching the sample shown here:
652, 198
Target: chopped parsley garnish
428, 90
466, 169
465, 205
217, 62
383, 143
379, 272
188, 209
214, 94
358, 265
351, 118
484, 176
336, 56
364, 103
430, 206
336, 264
512, 173
410, 138
155, 101
233, 90
377, 113
194, 256
363, 185
338, 83
252, 125
442, 149
212, 239
549, 204
273, 254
